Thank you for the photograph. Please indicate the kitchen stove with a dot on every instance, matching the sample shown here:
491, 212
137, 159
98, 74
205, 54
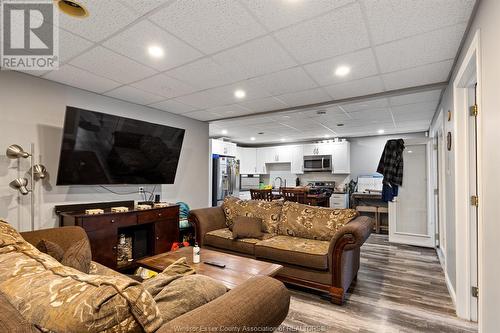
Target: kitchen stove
320, 187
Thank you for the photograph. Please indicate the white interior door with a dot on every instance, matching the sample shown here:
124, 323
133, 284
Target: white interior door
409, 220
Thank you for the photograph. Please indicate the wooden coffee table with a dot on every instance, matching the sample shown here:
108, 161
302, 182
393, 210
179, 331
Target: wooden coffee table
237, 271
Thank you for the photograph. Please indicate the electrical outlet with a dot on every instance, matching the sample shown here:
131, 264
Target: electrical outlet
141, 189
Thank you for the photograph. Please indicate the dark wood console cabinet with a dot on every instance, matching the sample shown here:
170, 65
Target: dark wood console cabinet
159, 225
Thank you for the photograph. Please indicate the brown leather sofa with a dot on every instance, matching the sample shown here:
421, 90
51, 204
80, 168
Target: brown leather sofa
246, 306
327, 266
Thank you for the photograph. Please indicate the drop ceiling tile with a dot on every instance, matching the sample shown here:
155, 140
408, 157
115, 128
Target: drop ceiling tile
78, 78
275, 14
305, 97
33, 72
427, 74
264, 104
257, 57
432, 95
71, 45
106, 63
419, 50
338, 32
286, 81
205, 73
232, 110
366, 105
362, 64
134, 42
134, 95
105, 19
199, 100
202, 115
225, 94
389, 20
173, 106
143, 6
356, 88
416, 108
210, 25
369, 115
164, 85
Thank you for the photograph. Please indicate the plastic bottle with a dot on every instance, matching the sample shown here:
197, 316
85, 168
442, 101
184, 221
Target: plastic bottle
196, 253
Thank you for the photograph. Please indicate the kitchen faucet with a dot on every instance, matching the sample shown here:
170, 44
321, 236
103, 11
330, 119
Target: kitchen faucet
281, 182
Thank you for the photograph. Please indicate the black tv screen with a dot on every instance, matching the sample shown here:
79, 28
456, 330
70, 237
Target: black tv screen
100, 149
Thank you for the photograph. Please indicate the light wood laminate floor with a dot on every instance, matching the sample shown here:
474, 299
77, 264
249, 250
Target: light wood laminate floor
399, 289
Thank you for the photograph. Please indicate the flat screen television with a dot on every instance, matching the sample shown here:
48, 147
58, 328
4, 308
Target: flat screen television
101, 149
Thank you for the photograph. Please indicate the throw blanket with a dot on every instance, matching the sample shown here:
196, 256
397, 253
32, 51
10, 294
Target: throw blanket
178, 290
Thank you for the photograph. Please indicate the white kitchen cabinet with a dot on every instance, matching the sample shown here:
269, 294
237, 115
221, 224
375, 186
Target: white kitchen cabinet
282, 154
341, 157
339, 200
248, 160
264, 155
225, 148
318, 149
297, 162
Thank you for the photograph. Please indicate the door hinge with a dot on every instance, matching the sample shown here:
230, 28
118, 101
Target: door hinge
474, 110
474, 200
436, 191
475, 292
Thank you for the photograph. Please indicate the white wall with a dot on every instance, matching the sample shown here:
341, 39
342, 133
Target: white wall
366, 152
32, 111
487, 20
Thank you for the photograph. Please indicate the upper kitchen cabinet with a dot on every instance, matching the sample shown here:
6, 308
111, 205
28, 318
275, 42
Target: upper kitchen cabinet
318, 149
297, 163
248, 160
341, 156
224, 148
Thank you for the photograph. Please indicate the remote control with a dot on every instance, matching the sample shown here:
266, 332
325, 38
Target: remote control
213, 263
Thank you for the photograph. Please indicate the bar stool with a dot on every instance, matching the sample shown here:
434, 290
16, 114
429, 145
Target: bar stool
371, 209
381, 210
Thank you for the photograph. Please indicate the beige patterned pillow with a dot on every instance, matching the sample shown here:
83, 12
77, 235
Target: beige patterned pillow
311, 222
268, 211
51, 248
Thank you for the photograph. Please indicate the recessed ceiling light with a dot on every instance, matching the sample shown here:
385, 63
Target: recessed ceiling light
72, 8
155, 51
342, 70
240, 93
224, 131
380, 131
282, 139
410, 151
327, 136
252, 138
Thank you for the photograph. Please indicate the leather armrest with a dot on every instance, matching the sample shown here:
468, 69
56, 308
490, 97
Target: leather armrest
261, 302
63, 236
206, 220
358, 231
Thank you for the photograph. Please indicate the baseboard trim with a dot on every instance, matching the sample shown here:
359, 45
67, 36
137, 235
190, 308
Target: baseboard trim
442, 258
451, 290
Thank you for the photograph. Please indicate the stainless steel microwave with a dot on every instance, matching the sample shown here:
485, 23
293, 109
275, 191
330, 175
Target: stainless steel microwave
318, 163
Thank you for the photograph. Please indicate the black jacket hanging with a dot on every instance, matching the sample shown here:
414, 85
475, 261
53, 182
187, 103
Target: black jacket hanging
391, 162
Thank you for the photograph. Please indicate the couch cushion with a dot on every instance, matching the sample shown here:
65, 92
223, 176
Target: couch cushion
311, 222
223, 239
11, 320
61, 299
294, 250
268, 211
78, 256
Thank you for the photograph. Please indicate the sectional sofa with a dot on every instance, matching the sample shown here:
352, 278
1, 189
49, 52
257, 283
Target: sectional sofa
318, 247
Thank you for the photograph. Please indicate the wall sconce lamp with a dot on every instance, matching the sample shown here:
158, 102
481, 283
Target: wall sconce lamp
37, 172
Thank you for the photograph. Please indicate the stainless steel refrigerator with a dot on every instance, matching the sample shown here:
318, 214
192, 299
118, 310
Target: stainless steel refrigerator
226, 178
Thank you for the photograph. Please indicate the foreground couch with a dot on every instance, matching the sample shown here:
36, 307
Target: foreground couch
34, 287
318, 247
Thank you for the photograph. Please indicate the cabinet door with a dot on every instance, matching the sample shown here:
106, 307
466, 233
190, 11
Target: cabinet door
310, 149
166, 232
341, 158
229, 149
265, 155
103, 244
325, 148
283, 154
297, 163
248, 161
217, 147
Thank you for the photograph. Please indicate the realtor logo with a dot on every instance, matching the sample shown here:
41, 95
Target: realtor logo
29, 35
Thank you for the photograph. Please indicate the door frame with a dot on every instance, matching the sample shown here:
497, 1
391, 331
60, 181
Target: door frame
410, 238
469, 71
